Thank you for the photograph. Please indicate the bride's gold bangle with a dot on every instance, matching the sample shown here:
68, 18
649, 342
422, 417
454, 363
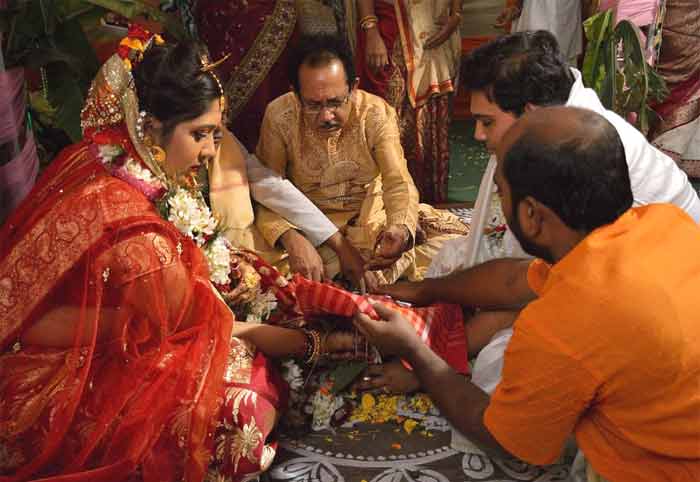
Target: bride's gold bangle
313, 346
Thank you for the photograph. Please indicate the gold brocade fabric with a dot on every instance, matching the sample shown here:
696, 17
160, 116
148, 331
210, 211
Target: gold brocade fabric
357, 176
262, 55
358, 172
229, 193
429, 72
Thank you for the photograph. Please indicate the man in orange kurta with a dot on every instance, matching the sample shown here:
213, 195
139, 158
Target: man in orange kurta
608, 348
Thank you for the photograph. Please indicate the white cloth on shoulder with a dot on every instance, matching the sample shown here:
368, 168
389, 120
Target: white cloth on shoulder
281, 196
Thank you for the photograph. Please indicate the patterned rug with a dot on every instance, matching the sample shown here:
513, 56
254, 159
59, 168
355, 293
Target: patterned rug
389, 452
386, 453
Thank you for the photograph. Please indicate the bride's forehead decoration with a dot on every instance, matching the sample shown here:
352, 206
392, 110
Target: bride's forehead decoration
208, 66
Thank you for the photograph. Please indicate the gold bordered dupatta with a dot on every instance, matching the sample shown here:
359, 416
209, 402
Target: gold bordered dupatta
433, 71
261, 56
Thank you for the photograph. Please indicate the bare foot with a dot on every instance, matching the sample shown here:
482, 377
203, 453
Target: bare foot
389, 377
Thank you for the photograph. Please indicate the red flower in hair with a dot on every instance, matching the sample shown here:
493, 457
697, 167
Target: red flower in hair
132, 47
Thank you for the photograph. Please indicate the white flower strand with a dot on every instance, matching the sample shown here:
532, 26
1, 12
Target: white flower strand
218, 257
191, 216
139, 172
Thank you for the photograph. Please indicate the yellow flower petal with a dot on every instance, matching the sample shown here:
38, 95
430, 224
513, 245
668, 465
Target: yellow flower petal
409, 425
132, 43
368, 401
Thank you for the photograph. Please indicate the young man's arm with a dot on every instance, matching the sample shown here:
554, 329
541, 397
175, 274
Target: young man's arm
499, 283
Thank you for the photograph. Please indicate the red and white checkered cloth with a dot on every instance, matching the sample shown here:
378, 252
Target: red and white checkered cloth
440, 326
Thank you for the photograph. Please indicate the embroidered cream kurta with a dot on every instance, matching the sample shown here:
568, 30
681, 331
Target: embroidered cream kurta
357, 176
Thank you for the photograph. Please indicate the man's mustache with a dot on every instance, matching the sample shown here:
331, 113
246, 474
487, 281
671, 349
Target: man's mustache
330, 125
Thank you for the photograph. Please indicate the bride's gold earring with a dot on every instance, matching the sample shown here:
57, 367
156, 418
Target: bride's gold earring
158, 154
156, 151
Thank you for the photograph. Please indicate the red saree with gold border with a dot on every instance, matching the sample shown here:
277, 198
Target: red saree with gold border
255, 35
148, 384
418, 84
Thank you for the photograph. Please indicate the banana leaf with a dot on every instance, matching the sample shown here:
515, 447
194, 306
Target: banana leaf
598, 29
57, 36
127, 8
615, 67
344, 374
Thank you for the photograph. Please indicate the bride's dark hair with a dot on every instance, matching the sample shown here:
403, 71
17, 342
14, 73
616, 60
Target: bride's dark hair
171, 85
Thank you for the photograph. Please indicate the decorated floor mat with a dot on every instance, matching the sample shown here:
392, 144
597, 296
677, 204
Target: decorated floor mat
412, 444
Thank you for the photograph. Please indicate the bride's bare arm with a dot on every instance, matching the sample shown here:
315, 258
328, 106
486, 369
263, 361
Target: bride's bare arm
273, 341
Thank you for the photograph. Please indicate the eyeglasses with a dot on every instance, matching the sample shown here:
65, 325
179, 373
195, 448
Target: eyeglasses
315, 108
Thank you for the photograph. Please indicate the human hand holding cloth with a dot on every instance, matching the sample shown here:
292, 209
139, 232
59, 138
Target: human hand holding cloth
439, 326
390, 245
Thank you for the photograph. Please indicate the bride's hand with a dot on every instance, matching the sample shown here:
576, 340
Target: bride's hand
247, 280
345, 345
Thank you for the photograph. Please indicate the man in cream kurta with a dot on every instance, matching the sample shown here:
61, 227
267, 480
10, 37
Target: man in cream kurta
340, 146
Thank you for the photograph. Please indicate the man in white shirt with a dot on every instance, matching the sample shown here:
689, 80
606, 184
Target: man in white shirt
507, 77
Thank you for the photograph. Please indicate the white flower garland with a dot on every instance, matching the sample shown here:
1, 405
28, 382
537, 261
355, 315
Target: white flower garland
218, 254
192, 217
139, 172
187, 211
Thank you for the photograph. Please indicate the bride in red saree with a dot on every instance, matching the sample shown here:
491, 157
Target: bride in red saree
118, 359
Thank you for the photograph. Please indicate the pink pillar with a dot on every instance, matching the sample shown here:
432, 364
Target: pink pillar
17, 176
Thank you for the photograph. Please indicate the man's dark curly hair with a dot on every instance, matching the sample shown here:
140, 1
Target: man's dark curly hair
520, 68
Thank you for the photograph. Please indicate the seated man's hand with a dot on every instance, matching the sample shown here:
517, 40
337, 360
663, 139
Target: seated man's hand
390, 377
351, 261
390, 245
408, 291
392, 334
246, 279
303, 257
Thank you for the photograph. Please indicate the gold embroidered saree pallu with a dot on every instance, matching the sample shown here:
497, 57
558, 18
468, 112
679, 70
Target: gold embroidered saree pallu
154, 398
